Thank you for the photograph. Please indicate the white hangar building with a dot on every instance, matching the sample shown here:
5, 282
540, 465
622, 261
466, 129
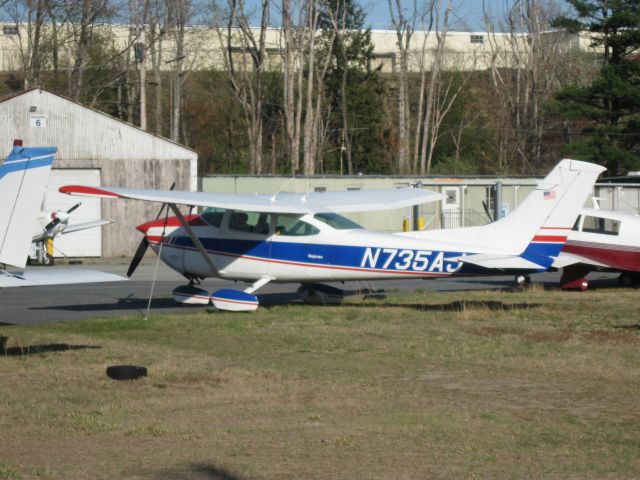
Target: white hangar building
95, 149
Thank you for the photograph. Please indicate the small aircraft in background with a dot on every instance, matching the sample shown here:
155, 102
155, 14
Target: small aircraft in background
59, 225
23, 178
303, 238
601, 240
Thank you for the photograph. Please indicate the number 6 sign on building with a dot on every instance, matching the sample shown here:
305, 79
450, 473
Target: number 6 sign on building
38, 121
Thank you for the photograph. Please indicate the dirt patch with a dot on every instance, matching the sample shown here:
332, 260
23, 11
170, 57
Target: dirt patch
611, 337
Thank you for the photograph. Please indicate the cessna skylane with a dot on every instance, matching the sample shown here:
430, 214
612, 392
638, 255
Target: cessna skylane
303, 238
23, 178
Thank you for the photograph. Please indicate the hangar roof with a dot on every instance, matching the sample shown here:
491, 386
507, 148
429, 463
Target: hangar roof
41, 118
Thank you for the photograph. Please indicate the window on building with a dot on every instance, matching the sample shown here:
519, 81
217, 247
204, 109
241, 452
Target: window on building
10, 30
477, 38
601, 225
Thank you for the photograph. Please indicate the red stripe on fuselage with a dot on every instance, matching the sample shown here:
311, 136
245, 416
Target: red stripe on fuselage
550, 238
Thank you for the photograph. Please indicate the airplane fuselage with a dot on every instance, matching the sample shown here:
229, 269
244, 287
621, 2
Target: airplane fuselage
335, 255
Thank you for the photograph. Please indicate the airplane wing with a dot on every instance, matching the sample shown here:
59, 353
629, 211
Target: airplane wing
498, 261
76, 227
312, 202
37, 277
72, 228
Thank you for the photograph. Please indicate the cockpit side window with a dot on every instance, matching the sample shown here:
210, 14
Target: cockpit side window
291, 225
254, 222
576, 226
605, 226
213, 216
337, 221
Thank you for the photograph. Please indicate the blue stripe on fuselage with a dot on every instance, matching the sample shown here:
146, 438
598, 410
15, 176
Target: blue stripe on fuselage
339, 256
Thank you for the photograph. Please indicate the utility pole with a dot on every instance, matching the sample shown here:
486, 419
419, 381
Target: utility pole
139, 50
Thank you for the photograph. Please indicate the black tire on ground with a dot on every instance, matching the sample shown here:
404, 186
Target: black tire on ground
626, 279
522, 280
126, 372
48, 261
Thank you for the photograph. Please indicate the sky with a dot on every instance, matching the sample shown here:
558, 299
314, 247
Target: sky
465, 16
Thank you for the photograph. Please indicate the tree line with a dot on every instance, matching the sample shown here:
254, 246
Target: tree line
318, 103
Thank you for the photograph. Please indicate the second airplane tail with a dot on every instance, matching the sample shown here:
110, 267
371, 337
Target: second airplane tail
23, 178
535, 232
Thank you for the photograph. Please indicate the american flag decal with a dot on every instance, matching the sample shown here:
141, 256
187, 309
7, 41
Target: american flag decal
549, 195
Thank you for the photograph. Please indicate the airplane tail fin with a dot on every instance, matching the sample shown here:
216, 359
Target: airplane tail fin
552, 209
535, 232
23, 177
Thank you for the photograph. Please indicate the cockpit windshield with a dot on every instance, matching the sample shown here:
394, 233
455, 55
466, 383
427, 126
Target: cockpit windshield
213, 216
337, 221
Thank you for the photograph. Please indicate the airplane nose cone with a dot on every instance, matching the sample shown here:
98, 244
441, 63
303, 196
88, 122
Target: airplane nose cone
170, 223
144, 227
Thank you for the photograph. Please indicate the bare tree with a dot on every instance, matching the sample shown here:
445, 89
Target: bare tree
83, 15
245, 58
404, 27
523, 59
155, 38
430, 128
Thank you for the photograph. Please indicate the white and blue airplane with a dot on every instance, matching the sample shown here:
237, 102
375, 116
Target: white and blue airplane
23, 178
303, 238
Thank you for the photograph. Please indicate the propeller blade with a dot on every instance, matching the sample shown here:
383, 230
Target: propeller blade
51, 224
74, 207
144, 244
137, 258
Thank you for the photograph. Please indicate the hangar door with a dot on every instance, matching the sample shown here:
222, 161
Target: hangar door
85, 243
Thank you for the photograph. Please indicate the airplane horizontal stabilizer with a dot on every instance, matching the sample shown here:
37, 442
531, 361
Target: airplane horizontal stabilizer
66, 276
498, 261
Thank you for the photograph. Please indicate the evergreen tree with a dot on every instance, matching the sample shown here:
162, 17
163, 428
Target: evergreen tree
610, 105
354, 92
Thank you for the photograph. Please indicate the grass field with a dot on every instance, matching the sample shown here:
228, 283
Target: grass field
460, 385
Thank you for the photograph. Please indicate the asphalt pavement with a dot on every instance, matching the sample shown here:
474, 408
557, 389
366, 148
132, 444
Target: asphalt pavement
37, 305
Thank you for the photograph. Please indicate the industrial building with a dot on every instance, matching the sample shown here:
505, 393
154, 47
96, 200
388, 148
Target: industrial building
469, 200
96, 149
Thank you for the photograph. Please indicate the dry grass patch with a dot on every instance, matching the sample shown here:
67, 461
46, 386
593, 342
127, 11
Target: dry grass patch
498, 385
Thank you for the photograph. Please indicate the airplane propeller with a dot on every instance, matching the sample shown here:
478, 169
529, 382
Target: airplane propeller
56, 220
144, 243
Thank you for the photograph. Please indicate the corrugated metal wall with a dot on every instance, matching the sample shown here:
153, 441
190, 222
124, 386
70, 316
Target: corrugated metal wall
126, 155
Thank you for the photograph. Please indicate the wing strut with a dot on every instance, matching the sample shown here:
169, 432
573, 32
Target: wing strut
196, 241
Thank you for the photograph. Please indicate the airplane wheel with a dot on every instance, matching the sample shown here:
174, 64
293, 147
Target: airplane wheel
627, 279
126, 372
523, 280
48, 260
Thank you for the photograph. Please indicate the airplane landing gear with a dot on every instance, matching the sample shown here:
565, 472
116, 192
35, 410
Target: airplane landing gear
522, 280
573, 278
629, 279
